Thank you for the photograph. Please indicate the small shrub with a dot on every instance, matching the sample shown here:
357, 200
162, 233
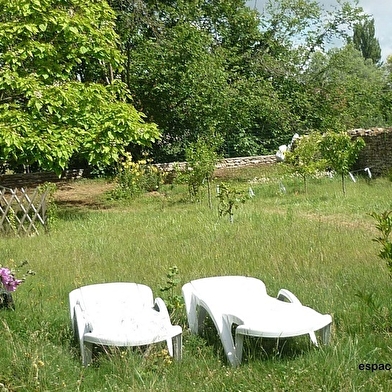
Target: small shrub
305, 159
229, 199
384, 226
51, 212
201, 158
134, 178
173, 300
340, 152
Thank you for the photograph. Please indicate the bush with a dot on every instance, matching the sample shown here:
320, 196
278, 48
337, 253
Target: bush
134, 178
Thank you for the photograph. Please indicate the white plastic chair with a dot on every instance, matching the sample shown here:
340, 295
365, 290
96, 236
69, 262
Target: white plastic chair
121, 314
243, 302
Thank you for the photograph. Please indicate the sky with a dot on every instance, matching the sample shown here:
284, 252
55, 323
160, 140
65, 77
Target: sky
381, 11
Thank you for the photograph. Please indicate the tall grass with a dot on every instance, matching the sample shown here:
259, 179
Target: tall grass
317, 245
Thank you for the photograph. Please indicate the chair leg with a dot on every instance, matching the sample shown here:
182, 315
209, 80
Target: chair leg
170, 345
86, 349
177, 347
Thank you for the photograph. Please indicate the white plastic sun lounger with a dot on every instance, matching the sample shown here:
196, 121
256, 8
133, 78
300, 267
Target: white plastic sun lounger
121, 314
243, 302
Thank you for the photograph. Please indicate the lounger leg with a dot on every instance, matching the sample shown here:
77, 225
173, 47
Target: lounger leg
199, 324
326, 334
313, 338
87, 352
239, 344
232, 353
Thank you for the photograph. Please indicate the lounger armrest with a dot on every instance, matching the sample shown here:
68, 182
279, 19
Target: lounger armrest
286, 294
160, 306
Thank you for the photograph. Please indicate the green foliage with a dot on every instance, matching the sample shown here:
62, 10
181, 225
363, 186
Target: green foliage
384, 226
347, 91
313, 246
201, 158
340, 152
53, 103
51, 210
170, 291
305, 157
230, 198
133, 178
365, 41
255, 79
180, 83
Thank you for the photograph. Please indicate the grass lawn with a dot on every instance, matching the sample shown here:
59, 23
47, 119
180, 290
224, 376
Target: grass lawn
318, 245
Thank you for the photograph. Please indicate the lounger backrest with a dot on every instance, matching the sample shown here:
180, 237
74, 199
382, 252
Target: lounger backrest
230, 288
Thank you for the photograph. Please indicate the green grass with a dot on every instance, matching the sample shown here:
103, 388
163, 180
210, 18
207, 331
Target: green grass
318, 245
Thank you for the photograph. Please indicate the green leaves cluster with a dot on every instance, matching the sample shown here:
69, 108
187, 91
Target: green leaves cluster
201, 158
316, 152
230, 198
340, 152
133, 178
384, 226
69, 71
256, 78
58, 95
305, 157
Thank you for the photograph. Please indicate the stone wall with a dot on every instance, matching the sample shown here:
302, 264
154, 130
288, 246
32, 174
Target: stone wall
377, 154
27, 180
226, 162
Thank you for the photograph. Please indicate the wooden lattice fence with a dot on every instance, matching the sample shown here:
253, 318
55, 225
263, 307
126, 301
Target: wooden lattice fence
20, 212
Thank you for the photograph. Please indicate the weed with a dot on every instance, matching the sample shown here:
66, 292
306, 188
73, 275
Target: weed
173, 299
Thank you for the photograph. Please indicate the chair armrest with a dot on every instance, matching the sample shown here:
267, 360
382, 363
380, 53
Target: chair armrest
286, 294
81, 324
160, 306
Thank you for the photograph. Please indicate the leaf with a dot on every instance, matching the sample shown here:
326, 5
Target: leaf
38, 105
74, 29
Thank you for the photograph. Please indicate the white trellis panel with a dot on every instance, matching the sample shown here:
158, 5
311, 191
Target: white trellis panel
20, 212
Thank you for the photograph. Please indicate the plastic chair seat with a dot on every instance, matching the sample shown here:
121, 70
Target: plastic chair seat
121, 314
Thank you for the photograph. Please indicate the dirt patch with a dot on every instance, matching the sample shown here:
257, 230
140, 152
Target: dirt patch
82, 194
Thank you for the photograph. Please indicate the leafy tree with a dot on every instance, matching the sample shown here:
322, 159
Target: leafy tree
387, 91
340, 152
345, 91
183, 73
180, 84
58, 92
305, 157
193, 65
201, 158
365, 41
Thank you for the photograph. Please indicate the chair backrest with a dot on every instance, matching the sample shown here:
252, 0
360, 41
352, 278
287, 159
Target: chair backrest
112, 298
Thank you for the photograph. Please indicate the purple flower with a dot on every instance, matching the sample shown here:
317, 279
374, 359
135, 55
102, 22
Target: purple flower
8, 279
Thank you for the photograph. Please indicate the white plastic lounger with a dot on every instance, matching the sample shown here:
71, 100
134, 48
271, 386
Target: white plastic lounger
243, 302
121, 314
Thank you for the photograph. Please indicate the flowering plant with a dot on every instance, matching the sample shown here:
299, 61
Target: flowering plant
8, 280
9, 283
